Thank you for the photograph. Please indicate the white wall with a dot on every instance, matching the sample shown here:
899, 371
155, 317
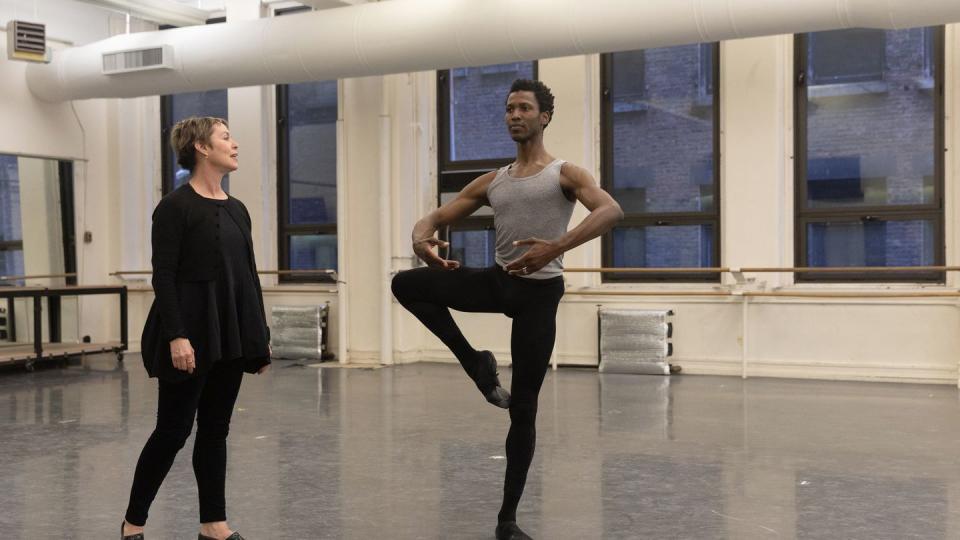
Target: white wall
887, 339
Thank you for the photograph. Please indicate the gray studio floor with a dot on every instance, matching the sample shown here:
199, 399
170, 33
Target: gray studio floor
414, 452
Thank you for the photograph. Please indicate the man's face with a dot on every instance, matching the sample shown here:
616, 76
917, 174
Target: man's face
523, 116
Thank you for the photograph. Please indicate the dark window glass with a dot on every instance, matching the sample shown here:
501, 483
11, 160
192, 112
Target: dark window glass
10, 228
11, 264
706, 81
663, 247
871, 243
176, 107
313, 251
628, 81
869, 146
311, 132
841, 56
929, 55
210, 103
474, 140
660, 158
11, 232
473, 248
307, 177
477, 96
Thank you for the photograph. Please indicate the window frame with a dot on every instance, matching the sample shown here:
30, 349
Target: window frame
286, 230
804, 216
67, 218
166, 153
454, 175
629, 220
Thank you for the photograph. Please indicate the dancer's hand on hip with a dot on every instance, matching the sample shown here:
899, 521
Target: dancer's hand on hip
181, 352
538, 256
424, 249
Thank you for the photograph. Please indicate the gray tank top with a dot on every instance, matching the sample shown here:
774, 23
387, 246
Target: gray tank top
529, 207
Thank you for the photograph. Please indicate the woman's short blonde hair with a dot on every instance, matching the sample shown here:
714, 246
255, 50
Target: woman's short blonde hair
189, 131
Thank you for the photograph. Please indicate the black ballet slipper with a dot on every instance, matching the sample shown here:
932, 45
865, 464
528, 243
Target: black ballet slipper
138, 536
508, 530
488, 382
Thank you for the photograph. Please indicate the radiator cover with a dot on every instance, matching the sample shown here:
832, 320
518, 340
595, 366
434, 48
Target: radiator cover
635, 341
297, 331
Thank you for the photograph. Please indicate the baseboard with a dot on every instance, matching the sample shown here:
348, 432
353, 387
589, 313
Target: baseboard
728, 367
819, 370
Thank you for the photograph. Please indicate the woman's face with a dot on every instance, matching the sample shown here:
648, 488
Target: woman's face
221, 153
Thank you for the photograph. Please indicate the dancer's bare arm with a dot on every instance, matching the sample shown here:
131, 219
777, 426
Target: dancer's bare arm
468, 201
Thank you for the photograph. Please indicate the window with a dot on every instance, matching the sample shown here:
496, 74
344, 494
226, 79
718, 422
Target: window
869, 164
307, 176
474, 140
661, 160
176, 107
36, 202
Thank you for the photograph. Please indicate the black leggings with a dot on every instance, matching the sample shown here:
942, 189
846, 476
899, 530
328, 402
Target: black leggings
430, 293
210, 397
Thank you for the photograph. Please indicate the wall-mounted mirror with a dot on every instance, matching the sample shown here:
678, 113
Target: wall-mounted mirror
36, 239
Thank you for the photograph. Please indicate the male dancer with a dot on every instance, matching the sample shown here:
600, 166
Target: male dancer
532, 201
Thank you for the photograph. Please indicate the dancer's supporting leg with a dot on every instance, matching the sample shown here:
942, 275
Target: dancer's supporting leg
532, 340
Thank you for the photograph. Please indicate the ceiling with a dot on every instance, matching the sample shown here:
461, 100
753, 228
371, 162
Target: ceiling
187, 12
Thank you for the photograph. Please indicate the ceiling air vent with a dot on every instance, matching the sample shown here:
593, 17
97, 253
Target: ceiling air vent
26, 41
138, 60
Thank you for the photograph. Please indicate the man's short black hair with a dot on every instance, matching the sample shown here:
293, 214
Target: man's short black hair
542, 91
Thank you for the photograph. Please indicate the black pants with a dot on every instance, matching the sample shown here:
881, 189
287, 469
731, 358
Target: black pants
430, 293
210, 397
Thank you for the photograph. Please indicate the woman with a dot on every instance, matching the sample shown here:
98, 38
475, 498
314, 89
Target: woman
206, 325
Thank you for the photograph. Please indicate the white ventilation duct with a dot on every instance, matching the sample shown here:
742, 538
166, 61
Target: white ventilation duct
413, 35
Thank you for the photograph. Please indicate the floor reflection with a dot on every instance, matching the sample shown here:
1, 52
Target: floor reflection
414, 452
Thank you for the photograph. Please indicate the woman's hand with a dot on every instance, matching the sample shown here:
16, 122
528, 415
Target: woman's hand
181, 352
264, 369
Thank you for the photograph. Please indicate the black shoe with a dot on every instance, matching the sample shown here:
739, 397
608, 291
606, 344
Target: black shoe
138, 536
488, 382
234, 536
508, 530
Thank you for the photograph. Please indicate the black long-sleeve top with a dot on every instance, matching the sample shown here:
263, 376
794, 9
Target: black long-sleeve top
205, 284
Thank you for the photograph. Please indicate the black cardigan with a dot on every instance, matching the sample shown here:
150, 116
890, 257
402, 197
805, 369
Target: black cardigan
184, 237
